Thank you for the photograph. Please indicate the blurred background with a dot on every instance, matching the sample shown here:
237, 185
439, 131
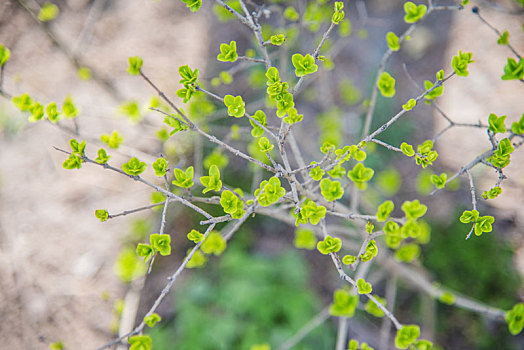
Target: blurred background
64, 275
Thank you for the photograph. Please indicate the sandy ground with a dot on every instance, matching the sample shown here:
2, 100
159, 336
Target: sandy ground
56, 259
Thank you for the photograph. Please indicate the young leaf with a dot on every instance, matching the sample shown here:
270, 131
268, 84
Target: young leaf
469, 216
5, 53
152, 319
52, 112
518, 127
492, 193
278, 39
161, 243
386, 85
331, 190
349, 259
503, 39
439, 181
304, 65
48, 12
214, 244
112, 141
392, 40
195, 236
135, 64
228, 53
384, 210
329, 245
212, 182
134, 167
102, 157
373, 309
144, 251
515, 319
407, 336
363, 286
513, 70
193, 5
344, 303
496, 124
305, 239
160, 167
264, 145
460, 63
408, 106
413, 12
483, 224
235, 106
184, 179
140, 342
407, 149
101, 214
414, 209
360, 175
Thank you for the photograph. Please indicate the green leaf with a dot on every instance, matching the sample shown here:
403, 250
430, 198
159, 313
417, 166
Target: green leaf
447, 298
349, 259
410, 229
304, 65
360, 175
469, 216
505, 148
259, 116
370, 252
161, 243
112, 141
212, 182
369, 227
406, 336
408, 252
144, 251
305, 239
22, 102
152, 319
69, 108
314, 212
131, 110
440, 75
513, 70
134, 167
277, 39
101, 214
392, 40
102, 157
518, 127
160, 167
5, 54
344, 303
195, 236
408, 106
363, 286
37, 112
235, 106
386, 85
214, 244
84, 73
291, 14
129, 266
503, 39
135, 64
140, 342
496, 124
413, 12
373, 309
293, 116
264, 145
337, 172
231, 204
331, 190
228, 53
384, 210
193, 5
339, 14
433, 94
186, 93
515, 319
48, 12
52, 112
197, 260
184, 179
492, 193
460, 63
188, 75
270, 192
317, 173
73, 162
407, 149
414, 209
439, 181
329, 245
272, 76
483, 224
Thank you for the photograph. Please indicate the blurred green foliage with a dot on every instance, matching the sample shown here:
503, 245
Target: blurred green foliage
244, 299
